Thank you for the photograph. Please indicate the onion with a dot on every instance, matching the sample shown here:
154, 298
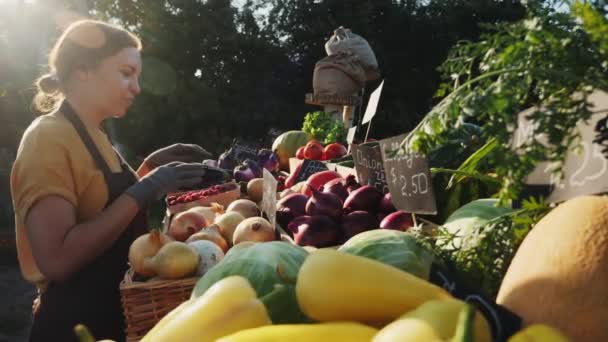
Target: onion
336, 187
399, 220
211, 233
318, 231
290, 207
255, 229
255, 189
286, 192
174, 260
351, 183
185, 224
357, 222
144, 247
227, 223
323, 203
244, 207
386, 204
366, 198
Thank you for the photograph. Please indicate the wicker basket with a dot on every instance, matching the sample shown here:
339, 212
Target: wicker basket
145, 303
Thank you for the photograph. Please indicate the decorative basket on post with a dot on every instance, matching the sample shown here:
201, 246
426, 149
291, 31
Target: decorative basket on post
146, 303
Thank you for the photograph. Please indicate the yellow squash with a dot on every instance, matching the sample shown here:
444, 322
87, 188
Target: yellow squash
335, 332
538, 333
228, 306
433, 320
335, 286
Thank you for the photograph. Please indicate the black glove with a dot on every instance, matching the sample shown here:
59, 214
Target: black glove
164, 179
186, 153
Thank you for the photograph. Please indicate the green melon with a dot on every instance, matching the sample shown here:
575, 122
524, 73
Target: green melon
286, 145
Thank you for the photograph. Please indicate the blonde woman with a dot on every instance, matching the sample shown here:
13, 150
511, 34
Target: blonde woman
78, 205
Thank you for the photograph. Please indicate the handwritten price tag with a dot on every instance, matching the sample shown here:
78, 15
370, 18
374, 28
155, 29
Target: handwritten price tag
244, 150
309, 168
410, 183
369, 167
269, 197
585, 171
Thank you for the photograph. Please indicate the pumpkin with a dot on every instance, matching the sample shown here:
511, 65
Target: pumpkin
559, 275
286, 145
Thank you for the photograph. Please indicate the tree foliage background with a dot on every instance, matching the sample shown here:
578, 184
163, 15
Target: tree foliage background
217, 70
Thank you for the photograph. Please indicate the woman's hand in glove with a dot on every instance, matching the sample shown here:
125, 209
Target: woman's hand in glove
164, 179
186, 153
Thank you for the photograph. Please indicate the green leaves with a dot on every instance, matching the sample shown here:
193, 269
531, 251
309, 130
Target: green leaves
549, 60
324, 128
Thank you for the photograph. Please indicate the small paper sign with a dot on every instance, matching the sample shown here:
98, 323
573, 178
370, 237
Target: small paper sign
369, 167
372, 104
585, 171
410, 183
350, 136
242, 150
269, 197
309, 168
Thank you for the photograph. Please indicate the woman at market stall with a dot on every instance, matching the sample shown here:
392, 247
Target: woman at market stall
78, 205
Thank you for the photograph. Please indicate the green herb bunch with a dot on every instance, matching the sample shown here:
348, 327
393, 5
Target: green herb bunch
483, 259
551, 61
324, 128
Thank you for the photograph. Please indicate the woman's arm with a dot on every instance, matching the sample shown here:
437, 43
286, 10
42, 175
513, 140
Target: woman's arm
60, 246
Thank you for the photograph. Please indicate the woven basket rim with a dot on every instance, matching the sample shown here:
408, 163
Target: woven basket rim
128, 283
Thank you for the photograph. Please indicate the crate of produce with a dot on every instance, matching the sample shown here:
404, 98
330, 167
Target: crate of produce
222, 194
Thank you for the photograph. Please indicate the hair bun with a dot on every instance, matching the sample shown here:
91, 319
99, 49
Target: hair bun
48, 84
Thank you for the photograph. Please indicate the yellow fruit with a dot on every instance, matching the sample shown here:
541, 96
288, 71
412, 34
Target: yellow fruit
335, 286
538, 333
438, 316
408, 330
559, 275
230, 305
174, 260
335, 332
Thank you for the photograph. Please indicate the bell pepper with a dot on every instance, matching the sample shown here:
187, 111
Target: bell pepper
230, 305
335, 332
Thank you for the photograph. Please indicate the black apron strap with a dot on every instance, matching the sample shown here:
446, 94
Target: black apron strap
71, 115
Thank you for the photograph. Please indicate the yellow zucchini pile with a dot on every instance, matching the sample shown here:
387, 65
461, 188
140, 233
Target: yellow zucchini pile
353, 299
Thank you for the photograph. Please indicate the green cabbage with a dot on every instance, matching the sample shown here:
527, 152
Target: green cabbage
464, 225
271, 268
392, 247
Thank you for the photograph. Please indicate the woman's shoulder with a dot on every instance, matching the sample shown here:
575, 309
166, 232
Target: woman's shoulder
48, 127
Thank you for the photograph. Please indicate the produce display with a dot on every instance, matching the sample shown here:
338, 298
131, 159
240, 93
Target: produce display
336, 259
344, 263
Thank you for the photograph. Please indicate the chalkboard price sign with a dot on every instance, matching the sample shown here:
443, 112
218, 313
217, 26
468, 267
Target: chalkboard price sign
369, 167
242, 150
309, 168
409, 182
585, 171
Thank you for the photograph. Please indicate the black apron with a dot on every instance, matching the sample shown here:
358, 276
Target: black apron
91, 296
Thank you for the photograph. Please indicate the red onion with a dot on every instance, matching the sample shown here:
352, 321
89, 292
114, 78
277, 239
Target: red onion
366, 198
324, 203
351, 183
386, 204
318, 231
357, 222
399, 220
290, 207
336, 187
